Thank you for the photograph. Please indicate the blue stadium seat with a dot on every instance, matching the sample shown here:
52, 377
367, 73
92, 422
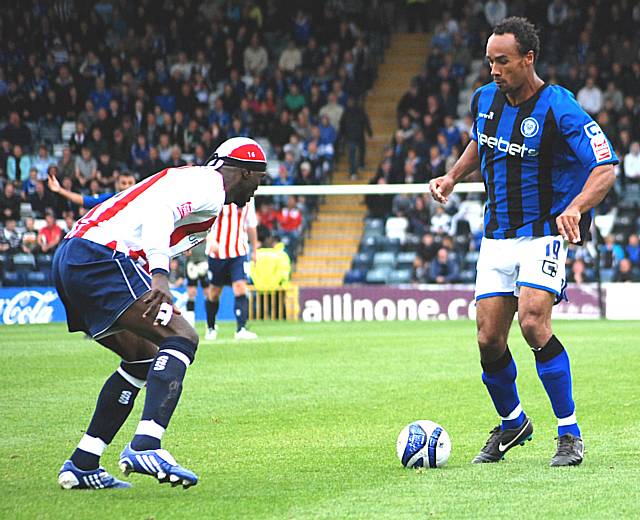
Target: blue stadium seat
23, 262
399, 276
468, 276
471, 259
12, 279
384, 259
362, 260
44, 261
374, 226
388, 244
606, 275
405, 259
378, 275
369, 243
355, 276
37, 278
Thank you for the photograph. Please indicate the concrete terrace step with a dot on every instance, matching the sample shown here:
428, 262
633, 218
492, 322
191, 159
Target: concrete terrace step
337, 230
329, 241
325, 268
338, 217
318, 278
331, 256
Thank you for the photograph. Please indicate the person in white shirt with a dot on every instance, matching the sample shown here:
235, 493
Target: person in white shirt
632, 162
111, 272
590, 97
290, 58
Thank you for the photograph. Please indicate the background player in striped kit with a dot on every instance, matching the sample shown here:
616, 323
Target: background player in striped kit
228, 250
545, 165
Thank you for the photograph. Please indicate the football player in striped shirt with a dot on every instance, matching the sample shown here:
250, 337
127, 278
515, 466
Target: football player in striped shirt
111, 272
545, 165
228, 250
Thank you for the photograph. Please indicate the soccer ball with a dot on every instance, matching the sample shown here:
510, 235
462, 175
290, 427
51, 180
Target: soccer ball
423, 444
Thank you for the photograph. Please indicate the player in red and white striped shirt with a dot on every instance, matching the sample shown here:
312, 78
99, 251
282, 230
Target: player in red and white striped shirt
228, 250
101, 271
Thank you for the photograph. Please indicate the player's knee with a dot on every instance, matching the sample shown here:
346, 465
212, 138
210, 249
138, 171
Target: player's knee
192, 337
187, 345
136, 369
534, 328
214, 293
239, 288
491, 341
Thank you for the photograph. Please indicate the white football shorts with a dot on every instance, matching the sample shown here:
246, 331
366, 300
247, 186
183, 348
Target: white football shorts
505, 265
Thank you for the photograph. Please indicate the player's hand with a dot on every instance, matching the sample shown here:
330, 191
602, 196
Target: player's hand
159, 299
568, 224
53, 183
441, 188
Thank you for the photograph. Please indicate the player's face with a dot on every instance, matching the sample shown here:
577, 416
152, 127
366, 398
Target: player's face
508, 67
125, 182
247, 186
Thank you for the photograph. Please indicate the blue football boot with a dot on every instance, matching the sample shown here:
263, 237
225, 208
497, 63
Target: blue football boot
71, 477
157, 463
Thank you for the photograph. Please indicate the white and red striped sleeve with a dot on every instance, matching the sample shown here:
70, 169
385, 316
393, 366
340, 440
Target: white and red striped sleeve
185, 191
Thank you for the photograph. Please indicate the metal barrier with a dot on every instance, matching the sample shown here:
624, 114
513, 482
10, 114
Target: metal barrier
277, 304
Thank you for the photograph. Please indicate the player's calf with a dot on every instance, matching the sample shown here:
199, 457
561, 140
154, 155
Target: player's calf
164, 386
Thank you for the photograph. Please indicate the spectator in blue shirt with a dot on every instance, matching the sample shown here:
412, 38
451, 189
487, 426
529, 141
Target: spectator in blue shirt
633, 249
443, 269
101, 95
18, 164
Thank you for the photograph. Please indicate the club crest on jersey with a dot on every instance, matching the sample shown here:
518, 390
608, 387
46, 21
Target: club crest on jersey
185, 209
529, 127
592, 129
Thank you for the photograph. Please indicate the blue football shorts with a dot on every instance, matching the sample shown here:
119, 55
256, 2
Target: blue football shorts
225, 271
96, 285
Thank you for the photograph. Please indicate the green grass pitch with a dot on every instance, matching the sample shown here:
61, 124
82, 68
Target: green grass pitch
303, 424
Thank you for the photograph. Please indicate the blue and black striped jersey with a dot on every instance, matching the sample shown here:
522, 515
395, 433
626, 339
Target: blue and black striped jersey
535, 158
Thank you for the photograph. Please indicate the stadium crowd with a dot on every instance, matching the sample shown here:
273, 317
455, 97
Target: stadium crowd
91, 90
580, 52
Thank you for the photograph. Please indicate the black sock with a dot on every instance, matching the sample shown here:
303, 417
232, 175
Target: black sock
164, 386
191, 305
114, 405
211, 309
242, 310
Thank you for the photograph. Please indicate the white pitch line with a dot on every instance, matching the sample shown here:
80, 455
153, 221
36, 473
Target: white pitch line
260, 340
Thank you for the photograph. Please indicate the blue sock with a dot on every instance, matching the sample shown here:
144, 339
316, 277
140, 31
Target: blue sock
242, 310
164, 386
552, 363
499, 377
114, 405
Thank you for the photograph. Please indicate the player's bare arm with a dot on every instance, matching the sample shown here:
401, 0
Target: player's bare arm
598, 184
54, 186
469, 161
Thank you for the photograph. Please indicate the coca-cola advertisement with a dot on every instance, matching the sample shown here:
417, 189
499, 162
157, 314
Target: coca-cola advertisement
23, 305
30, 305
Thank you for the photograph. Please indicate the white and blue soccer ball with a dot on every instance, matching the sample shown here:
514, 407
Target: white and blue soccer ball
423, 444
